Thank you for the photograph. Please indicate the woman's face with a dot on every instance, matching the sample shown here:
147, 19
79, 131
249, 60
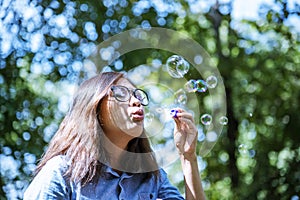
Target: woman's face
126, 117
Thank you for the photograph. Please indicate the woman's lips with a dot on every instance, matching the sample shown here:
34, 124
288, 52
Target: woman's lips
137, 115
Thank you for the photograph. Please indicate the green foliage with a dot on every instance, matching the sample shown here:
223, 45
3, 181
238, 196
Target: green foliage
258, 155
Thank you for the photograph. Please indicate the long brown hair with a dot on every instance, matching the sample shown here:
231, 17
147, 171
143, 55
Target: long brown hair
80, 135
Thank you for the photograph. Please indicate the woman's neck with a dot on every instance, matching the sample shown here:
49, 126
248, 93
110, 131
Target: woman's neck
115, 147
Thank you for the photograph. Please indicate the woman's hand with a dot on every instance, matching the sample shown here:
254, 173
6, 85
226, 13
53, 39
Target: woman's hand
185, 133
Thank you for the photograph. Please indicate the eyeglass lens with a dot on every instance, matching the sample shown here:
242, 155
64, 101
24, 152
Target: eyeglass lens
122, 93
141, 95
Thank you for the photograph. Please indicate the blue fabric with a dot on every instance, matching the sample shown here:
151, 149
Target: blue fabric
51, 184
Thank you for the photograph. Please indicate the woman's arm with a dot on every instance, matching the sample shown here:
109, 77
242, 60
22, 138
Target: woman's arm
192, 180
185, 138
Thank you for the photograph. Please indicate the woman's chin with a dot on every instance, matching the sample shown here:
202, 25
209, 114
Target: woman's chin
136, 130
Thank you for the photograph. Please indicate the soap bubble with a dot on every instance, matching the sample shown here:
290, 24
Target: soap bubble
223, 120
159, 110
190, 86
195, 85
206, 119
180, 97
201, 85
211, 82
177, 67
148, 119
183, 67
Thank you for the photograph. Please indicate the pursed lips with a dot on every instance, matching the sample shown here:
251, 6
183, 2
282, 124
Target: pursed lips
137, 115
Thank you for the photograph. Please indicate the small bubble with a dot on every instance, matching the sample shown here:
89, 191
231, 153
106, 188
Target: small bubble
223, 120
177, 67
211, 82
180, 97
250, 114
201, 85
190, 86
286, 119
206, 119
148, 119
159, 110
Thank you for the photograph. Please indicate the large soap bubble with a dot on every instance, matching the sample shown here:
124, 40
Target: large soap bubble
159, 124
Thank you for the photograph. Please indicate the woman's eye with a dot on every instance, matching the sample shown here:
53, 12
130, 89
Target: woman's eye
139, 96
120, 93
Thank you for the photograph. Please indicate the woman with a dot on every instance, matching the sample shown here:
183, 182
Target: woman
100, 150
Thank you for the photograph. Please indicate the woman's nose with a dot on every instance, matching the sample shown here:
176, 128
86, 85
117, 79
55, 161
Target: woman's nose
134, 101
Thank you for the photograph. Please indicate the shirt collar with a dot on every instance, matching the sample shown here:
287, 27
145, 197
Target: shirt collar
111, 173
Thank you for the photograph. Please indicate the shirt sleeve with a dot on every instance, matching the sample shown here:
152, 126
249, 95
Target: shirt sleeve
167, 190
49, 183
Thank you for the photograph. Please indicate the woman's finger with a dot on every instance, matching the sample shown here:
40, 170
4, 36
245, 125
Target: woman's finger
178, 113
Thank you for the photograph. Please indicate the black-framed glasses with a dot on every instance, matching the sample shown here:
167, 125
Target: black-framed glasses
122, 93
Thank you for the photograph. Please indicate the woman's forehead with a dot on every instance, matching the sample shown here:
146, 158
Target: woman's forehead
124, 82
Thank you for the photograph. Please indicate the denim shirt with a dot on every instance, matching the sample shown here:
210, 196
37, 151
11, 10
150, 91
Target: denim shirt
50, 183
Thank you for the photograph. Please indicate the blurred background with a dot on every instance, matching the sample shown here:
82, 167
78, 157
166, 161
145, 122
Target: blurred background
254, 44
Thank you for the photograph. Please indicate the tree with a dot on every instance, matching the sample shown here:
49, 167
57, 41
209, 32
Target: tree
43, 47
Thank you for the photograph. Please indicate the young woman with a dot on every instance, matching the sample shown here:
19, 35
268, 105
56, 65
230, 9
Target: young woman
101, 151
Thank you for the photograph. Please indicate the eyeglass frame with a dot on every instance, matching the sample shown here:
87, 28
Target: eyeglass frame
131, 92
